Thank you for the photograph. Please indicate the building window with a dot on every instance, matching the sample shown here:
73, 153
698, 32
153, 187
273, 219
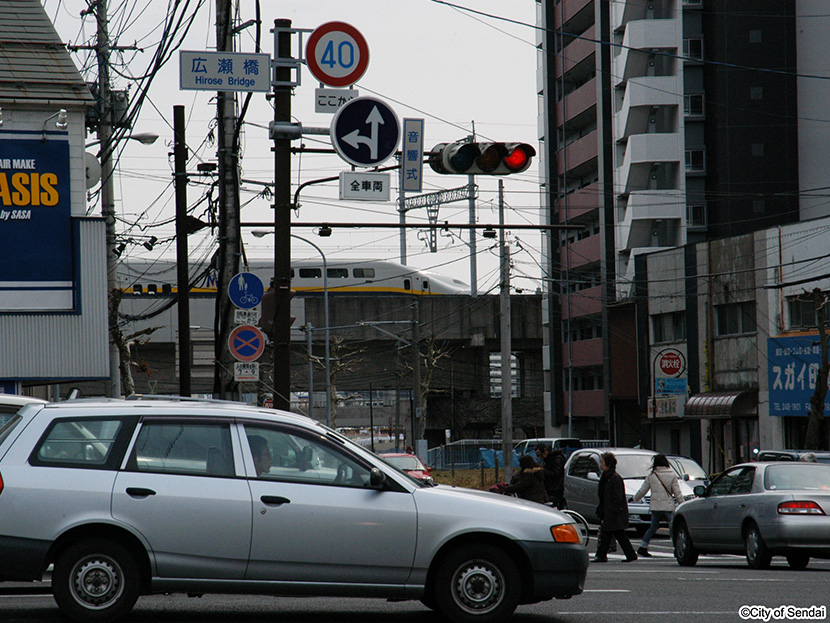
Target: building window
669, 327
693, 105
693, 49
495, 375
756, 36
756, 93
757, 149
695, 160
735, 318
803, 313
696, 216
583, 379
692, 2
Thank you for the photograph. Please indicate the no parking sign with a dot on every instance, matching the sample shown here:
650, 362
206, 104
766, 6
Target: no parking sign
246, 343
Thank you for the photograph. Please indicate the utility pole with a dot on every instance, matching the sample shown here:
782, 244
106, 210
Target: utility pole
506, 346
105, 121
229, 231
282, 219
416, 375
182, 277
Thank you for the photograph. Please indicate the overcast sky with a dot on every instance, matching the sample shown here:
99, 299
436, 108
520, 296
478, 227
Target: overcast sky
427, 60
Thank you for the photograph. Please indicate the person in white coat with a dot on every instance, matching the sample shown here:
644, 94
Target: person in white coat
665, 491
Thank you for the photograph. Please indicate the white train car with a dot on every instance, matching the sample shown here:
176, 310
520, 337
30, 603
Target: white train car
373, 277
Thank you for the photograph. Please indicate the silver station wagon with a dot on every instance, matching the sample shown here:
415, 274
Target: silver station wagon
135, 497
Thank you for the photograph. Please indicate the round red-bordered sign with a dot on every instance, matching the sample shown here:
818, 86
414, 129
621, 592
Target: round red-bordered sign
246, 343
672, 363
337, 54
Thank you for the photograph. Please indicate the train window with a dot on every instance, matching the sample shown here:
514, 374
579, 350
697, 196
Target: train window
337, 273
137, 289
407, 284
311, 273
166, 288
426, 284
364, 273
292, 273
152, 289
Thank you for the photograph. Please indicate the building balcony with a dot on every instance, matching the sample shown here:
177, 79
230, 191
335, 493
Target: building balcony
586, 403
583, 353
579, 203
642, 153
576, 154
565, 12
578, 103
642, 95
582, 303
581, 252
641, 37
652, 218
576, 53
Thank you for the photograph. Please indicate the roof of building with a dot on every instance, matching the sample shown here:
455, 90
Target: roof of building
34, 62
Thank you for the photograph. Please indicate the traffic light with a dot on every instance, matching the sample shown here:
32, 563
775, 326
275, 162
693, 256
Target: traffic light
481, 158
269, 312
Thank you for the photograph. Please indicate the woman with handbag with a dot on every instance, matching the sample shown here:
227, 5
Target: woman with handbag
665, 495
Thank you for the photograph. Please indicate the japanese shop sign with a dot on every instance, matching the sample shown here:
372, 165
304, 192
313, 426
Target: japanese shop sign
793, 364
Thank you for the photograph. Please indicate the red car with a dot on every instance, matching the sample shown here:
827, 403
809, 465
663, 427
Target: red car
409, 464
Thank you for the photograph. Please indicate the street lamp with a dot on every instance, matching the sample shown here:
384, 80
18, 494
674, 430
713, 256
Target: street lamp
145, 138
258, 233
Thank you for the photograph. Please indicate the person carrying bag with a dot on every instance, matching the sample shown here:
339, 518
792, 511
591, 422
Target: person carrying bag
665, 495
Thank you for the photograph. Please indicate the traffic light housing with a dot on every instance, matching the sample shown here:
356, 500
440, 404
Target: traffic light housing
481, 158
268, 316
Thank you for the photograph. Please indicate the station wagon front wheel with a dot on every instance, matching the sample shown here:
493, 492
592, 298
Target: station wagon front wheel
477, 583
96, 580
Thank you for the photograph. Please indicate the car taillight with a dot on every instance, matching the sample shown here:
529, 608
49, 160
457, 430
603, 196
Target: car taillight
799, 507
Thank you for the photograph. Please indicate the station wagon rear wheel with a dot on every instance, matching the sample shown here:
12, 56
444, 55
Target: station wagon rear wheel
95, 580
477, 583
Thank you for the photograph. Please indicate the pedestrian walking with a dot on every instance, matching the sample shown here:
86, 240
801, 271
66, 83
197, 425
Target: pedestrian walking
665, 495
553, 464
612, 511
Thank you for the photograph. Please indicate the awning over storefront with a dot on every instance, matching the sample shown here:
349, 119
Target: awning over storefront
738, 403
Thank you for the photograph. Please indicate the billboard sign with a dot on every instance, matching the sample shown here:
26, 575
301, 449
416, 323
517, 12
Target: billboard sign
793, 365
36, 265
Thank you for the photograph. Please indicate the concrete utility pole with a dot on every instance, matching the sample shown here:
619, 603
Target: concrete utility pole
229, 250
506, 347
282, 221
182, 263
105, 121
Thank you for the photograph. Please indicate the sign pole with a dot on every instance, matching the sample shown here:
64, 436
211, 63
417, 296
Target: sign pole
182, 278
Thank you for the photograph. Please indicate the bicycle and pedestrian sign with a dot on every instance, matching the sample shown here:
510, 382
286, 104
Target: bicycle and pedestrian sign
337, 54
245, 290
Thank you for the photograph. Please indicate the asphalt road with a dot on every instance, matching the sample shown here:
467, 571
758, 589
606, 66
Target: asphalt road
654, 589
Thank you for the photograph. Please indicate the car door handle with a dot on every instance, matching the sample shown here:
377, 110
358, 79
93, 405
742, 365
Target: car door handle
274, 500
139, 492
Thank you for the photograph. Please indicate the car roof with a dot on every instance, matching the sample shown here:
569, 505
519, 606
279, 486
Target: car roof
15, 400
641, 451
173, 406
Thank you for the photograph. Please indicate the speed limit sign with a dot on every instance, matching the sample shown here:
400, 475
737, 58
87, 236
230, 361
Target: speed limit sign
337, 54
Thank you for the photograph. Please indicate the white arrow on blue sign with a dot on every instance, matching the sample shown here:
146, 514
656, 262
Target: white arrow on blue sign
365, 132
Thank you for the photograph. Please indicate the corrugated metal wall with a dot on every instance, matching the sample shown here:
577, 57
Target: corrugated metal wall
64, 346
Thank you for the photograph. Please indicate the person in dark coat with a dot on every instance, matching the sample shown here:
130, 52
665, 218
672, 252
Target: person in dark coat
529, 484
612, 511
553, 464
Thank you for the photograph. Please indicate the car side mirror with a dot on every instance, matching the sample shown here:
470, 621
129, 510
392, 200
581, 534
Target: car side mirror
377, 478
700, 491
593, 476
685, 476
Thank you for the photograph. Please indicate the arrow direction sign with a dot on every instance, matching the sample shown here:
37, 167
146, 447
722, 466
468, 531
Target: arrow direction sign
365, 132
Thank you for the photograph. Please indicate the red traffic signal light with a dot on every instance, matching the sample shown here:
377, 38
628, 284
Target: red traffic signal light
481, 158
